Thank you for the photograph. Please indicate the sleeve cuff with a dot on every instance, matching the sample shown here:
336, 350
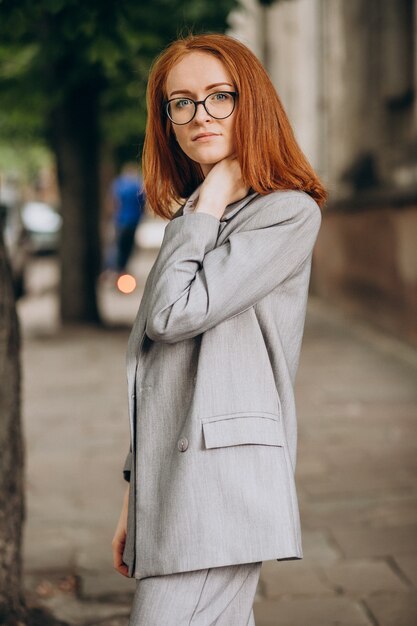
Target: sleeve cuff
127, 467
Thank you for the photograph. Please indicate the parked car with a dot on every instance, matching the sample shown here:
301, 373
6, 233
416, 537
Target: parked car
43, 224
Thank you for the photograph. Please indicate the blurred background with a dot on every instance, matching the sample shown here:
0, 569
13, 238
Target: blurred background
78, 246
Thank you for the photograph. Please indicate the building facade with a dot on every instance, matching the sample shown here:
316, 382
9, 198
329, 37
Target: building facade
346, 72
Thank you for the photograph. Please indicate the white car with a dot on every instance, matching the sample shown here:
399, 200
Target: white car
43, 225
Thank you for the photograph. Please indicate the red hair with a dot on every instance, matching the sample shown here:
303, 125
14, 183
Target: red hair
268, 153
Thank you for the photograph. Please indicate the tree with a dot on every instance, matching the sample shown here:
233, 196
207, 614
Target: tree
12, 504
74, 74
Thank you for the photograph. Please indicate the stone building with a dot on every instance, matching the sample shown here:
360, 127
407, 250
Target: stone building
346, 72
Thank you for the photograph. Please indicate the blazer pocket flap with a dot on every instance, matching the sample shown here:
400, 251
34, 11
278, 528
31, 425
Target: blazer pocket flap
234, 431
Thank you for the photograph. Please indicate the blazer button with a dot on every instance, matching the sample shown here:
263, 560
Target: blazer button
182, 444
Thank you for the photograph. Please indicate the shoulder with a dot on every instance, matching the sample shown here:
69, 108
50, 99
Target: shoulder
289, 205
292, 197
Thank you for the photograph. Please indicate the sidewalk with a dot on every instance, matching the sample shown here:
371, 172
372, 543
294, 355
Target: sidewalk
356, 395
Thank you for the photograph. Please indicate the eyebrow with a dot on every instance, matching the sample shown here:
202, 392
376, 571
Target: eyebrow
207, 88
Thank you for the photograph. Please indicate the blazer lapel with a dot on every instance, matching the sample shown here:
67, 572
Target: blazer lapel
233, 208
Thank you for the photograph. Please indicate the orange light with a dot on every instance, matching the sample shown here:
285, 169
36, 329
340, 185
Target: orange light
126, 283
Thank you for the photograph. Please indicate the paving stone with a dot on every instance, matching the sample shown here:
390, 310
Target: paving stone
394, 609
318, 547
310, 465
96, 584
362, 542
291, 578
375, 511
58, 592
47, 548
408, 565
94, 549
361, 480
361, 577
40, 584
371, 453
310, 612
77, 612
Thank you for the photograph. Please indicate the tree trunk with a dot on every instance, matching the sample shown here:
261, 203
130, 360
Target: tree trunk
12, 502
76, 142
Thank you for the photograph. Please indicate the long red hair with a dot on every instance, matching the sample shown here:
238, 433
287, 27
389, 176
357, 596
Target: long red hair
268, 153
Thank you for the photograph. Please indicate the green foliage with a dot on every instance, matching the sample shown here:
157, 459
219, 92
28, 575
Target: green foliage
50, 48
24, 160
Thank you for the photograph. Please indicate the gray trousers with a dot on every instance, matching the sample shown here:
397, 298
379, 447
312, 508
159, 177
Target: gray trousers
221, 596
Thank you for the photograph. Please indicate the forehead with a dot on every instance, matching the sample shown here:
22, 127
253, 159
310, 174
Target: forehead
196, 71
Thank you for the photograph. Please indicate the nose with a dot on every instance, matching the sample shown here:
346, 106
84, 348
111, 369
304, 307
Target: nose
201, 114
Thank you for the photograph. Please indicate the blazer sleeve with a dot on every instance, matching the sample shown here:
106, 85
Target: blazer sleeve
198, 285
127, 466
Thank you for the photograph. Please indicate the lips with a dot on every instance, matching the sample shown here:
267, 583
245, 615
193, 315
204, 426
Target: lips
205, 135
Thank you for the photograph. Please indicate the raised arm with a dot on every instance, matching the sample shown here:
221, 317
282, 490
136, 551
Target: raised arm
197, 285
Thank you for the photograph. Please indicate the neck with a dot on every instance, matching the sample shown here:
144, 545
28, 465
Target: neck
206, 167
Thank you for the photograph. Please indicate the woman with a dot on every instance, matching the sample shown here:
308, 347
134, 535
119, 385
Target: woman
214, 350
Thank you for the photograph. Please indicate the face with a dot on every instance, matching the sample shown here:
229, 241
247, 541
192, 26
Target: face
197, 75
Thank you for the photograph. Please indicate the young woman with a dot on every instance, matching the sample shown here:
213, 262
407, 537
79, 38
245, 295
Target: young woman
214, 349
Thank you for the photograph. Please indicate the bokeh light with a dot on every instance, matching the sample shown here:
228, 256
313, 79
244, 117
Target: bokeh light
126, 283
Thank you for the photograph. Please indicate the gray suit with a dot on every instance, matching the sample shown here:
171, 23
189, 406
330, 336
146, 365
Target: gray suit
211, 365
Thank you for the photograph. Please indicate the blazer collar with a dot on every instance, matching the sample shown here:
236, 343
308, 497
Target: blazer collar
233, 208
229, 211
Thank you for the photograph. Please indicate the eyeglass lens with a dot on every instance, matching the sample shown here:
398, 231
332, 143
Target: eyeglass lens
218, 105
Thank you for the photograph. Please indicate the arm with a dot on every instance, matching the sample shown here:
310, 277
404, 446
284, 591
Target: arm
197, 285
119, 537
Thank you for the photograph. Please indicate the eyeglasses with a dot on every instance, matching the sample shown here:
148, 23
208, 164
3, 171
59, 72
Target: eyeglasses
219, 105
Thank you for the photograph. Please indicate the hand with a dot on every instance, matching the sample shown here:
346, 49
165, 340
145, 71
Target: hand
222, 186
119, 539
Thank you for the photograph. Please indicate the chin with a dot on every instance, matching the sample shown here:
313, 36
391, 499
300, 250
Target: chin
211, 159
209, 162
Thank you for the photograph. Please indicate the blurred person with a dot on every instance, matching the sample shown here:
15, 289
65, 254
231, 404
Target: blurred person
128, 201
214, 349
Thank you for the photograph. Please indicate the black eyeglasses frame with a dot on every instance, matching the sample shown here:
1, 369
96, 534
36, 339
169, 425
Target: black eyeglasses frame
203, 102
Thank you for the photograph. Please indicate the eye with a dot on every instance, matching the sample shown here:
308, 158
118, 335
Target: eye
182, 102
220, 96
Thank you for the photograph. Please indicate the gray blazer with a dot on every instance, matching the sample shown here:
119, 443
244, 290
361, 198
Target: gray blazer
211, 365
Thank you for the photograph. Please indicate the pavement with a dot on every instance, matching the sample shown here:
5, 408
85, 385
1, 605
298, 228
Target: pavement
356, 396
